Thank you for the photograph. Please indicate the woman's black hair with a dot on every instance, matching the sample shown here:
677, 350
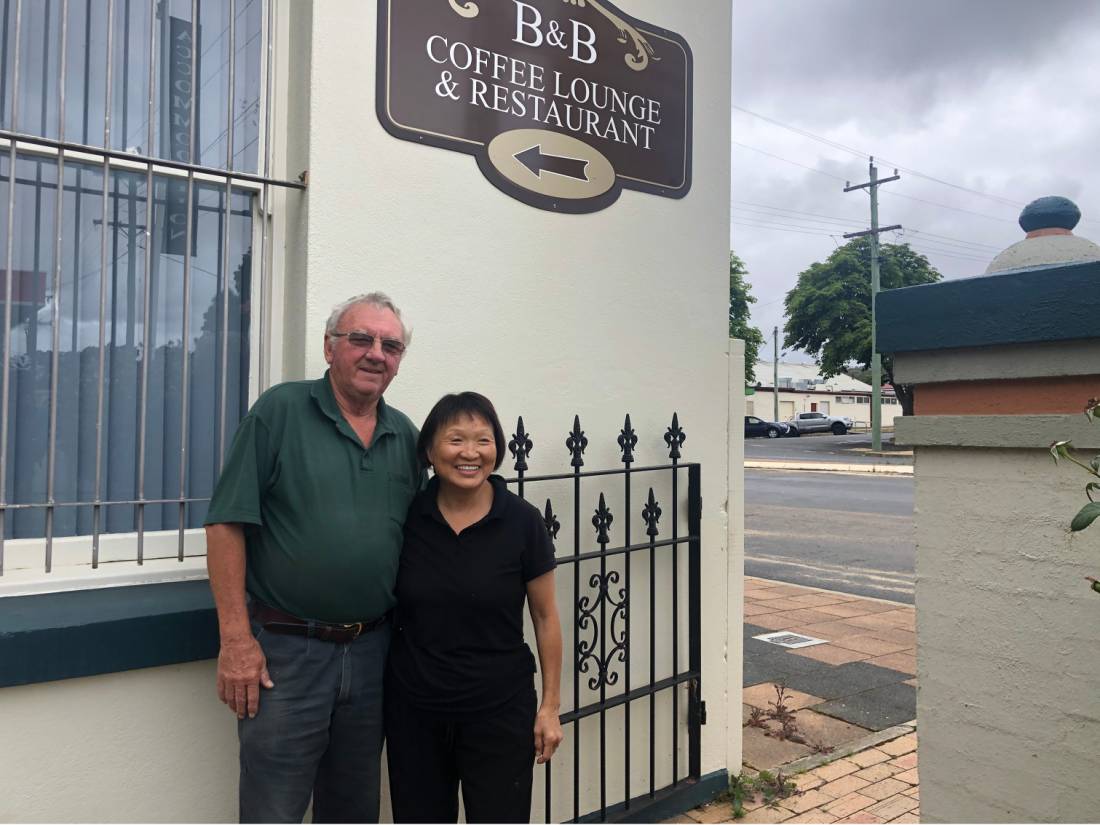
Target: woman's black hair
451, 407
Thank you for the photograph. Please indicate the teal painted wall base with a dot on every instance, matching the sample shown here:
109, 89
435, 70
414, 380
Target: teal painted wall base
89, 632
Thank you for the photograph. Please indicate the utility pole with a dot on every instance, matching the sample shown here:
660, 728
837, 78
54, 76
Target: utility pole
876, 358
775, 376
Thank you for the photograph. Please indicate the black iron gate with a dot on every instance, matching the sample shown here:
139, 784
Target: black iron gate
598, 678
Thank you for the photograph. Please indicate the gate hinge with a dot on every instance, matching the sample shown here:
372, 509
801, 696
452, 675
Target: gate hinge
702, 712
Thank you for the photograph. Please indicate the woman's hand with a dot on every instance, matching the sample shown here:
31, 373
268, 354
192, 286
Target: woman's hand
544, 617
548, 734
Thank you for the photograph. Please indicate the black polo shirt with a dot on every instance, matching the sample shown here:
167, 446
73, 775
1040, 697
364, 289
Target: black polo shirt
458, 644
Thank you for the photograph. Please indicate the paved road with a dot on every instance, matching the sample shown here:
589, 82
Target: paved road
854, 448
846, 532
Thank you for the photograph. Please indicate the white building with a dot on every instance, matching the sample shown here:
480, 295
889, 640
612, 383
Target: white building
802, 389
204, 240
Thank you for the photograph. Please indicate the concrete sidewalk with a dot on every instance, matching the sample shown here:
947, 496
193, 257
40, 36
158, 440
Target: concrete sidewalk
851, 700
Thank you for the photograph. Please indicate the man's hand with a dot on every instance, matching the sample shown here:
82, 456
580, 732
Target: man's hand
548, 734
242, 668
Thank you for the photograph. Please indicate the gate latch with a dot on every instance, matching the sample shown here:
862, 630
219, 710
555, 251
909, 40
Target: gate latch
698, 707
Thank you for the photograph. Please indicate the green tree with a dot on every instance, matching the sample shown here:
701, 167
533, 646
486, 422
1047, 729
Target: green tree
740, 298
859, 373
829, 311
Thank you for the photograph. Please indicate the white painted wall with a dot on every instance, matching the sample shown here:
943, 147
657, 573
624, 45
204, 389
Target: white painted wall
621, 311
735, 598
550, 315
151, 745
1009, 648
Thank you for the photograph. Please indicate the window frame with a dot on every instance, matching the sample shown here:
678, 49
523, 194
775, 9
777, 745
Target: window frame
105, 560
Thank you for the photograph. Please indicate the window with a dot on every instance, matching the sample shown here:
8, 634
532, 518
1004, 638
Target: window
126, 334
147, 42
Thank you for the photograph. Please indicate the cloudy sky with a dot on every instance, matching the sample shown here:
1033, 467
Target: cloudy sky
996, 100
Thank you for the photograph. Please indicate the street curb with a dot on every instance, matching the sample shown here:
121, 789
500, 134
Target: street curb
829, 467
808, 763
833, 592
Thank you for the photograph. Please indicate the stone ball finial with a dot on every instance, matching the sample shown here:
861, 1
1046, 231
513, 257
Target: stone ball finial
1051, 212
1048, 223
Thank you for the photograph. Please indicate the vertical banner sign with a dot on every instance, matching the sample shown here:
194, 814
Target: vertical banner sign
564, 103
179, 91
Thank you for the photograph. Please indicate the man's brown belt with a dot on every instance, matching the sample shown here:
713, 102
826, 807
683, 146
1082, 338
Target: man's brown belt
276, 621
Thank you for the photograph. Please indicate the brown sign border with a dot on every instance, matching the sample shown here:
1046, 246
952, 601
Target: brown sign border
479, 150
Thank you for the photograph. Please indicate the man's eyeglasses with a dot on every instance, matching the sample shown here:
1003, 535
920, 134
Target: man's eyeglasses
364, 340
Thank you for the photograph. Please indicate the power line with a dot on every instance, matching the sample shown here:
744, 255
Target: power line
783, 228
954, 253
797, 212
774, 301
952, 208
890, 194
836, 145
786, 160
923, 247
958, 241
813, 223
858, 153
820, 221
929, 250
793, 215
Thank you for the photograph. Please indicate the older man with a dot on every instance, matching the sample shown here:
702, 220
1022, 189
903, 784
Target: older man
307, 520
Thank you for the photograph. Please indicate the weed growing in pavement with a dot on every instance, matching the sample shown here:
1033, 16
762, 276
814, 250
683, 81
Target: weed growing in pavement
766, 787
779, 711
757, 719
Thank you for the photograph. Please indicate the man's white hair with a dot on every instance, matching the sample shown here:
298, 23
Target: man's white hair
375, 299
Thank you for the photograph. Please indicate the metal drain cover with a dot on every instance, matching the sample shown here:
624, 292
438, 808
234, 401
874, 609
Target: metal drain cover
786, 639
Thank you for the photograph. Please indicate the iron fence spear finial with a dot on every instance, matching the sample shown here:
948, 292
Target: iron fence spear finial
627, 441
520, 447
576, 442
675, 438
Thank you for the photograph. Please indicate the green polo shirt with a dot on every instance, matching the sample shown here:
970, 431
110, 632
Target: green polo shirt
323, 516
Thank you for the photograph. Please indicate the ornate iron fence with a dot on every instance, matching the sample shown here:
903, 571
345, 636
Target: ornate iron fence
626, 674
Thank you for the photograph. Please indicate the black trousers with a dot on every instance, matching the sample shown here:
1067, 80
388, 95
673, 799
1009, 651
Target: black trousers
491, 756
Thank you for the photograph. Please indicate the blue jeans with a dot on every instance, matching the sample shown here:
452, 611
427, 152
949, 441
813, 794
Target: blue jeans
318, 731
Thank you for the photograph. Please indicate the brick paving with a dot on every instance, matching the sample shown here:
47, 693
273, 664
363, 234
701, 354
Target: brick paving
876, 784
862, 676
887, 792
857, 629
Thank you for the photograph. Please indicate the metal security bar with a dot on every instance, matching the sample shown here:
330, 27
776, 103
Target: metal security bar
137, 168
598, 675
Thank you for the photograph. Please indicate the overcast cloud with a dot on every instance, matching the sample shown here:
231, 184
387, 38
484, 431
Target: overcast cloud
992, 95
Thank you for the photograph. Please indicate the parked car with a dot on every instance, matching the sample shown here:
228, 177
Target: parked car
815, 422
755, 427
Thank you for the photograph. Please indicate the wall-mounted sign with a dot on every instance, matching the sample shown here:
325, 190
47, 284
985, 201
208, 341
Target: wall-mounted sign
563, 103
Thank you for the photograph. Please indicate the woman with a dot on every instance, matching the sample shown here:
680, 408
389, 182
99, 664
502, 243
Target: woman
460, 696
